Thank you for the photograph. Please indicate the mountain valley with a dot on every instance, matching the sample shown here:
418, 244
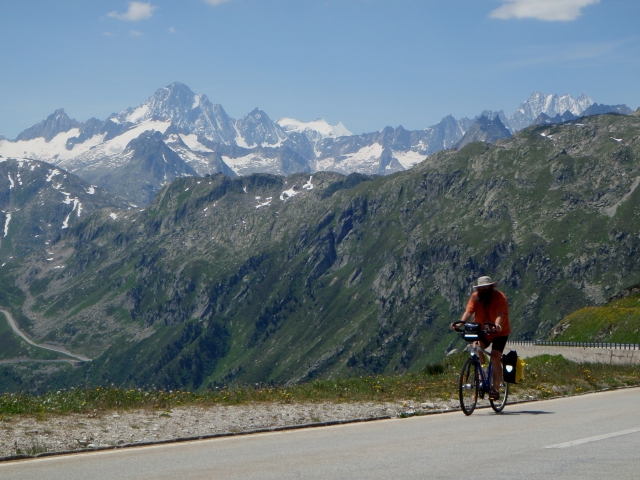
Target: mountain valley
262, 277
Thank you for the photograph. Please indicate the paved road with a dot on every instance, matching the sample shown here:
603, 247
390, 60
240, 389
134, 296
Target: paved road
592, 436
53, 348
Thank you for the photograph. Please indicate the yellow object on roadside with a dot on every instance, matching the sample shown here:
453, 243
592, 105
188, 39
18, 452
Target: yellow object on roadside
519, 369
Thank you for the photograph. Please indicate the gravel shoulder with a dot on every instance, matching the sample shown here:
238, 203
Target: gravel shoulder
29, 435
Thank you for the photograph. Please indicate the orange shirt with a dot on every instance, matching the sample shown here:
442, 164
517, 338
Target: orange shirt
498, 305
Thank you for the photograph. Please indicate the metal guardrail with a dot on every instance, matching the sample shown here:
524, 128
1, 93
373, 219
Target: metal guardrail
544, 343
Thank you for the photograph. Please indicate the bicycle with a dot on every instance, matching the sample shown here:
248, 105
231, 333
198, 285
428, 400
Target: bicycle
474, 380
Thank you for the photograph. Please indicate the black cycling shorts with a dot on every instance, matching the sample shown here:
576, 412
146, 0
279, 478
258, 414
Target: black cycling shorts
498, 343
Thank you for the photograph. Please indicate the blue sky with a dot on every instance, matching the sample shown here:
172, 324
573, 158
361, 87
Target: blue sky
367, 63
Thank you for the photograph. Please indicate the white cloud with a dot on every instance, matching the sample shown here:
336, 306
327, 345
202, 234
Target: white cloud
137, 11
216, 2
172, 30
548, 10
136, 34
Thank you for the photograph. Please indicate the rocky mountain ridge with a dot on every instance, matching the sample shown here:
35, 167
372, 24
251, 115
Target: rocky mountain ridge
210, 141
264, 278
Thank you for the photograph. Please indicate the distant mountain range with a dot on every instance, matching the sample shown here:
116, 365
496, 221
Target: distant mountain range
263, 278
197, 137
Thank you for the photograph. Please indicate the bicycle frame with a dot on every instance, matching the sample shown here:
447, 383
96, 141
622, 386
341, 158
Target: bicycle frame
485, 385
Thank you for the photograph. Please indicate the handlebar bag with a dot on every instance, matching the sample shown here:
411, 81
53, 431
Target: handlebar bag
472, 332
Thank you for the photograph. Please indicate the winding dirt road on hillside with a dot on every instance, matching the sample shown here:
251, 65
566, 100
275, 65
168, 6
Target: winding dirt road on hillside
53, 348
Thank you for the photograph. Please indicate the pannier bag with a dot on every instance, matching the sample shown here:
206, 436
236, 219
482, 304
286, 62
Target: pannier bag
512, 367
472, 332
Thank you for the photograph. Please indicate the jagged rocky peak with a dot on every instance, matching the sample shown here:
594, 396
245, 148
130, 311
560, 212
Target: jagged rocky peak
490, 114
256, 128
57, 122
189, 112
550, 105
484, 130
446, 133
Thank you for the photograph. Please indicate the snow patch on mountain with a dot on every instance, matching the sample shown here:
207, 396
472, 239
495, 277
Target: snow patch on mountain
409, 158
112, 152
52, 173
52, 151
252, 163
365, 160
317, 130
65, 223
6, 224
308, 185
138, 114
192, 142
288, 194
266, 203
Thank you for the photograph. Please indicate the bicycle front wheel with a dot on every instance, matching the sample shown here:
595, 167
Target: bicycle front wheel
468, 391
498, 405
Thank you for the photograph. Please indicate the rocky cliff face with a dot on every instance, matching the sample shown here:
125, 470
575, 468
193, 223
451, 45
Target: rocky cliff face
263, 278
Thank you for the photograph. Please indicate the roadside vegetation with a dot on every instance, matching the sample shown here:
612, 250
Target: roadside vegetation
618, 321
545, 377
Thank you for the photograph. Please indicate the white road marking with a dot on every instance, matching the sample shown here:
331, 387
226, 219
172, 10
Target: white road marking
594, 439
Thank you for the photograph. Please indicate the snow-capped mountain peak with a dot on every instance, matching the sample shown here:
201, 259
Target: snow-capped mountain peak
186, 110
177, 123
316, 130
550, 105
257, 129
50, 127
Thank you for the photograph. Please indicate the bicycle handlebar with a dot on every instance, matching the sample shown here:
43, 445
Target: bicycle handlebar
488, 327
453, 325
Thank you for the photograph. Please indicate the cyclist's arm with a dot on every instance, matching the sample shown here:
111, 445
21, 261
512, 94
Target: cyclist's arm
498, 322
465, 318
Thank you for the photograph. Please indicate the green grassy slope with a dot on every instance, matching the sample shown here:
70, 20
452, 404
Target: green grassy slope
618, 321
360, 275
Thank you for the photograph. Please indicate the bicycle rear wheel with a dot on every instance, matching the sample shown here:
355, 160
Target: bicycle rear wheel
498, 405
468, 391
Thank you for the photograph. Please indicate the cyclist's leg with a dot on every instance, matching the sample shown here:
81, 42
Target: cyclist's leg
499, 344
484, 344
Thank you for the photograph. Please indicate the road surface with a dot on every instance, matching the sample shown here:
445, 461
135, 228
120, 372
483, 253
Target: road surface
53, 348
591, 436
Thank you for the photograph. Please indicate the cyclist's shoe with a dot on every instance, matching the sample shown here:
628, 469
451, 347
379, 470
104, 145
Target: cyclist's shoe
494, 395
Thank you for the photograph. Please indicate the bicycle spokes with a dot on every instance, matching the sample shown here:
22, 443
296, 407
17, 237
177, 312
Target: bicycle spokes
468, 386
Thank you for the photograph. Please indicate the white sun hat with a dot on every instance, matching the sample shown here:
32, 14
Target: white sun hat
485, 282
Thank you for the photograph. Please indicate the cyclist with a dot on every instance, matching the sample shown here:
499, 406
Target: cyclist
487, 304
